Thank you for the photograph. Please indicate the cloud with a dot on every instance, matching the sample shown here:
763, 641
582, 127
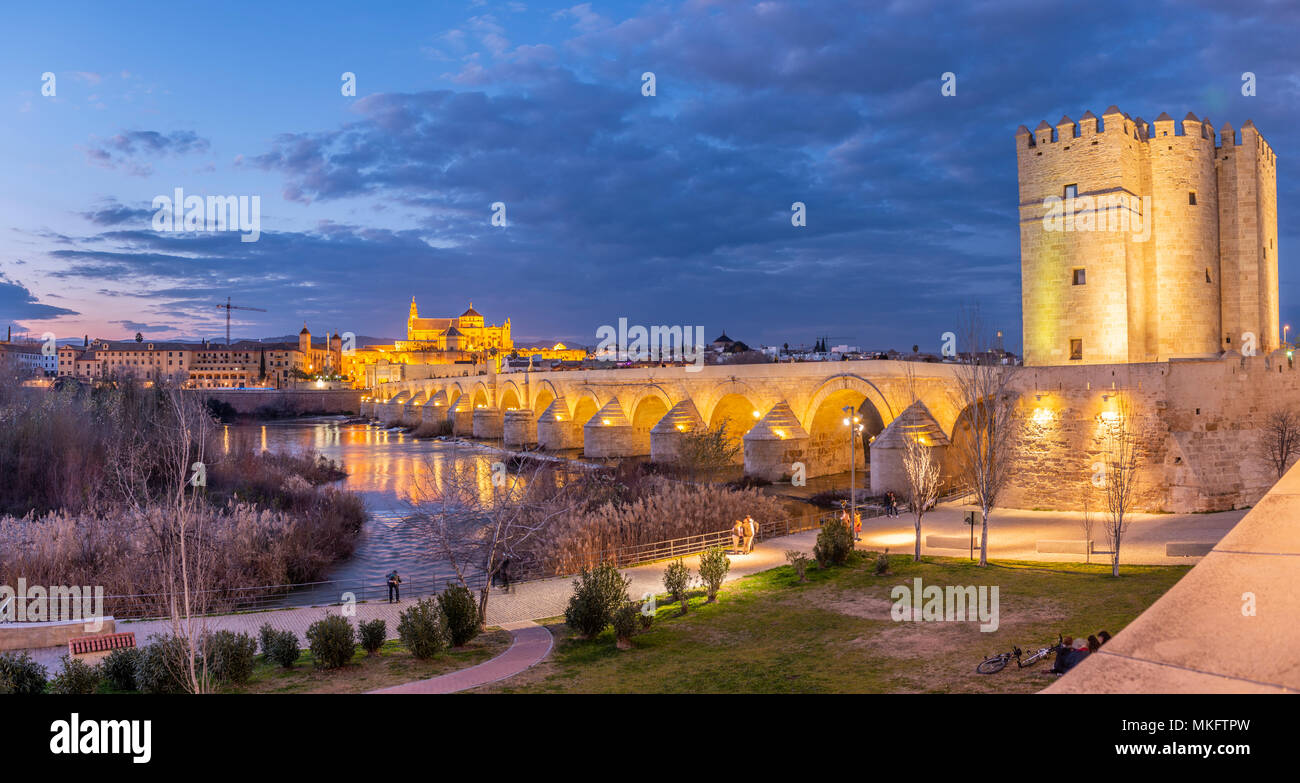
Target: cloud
17, 303
134, 150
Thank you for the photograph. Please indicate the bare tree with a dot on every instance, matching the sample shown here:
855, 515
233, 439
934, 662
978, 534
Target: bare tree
1124, 443
919, 466
183, 530
481, 523
988, 425
1280, 439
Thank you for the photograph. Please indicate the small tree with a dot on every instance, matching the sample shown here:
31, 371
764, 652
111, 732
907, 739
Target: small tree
627, 621
331, 641
1280, 439
461, 613
799, 562
1124, 439
988, 427
597, 594
714, 565
834, 543
677, 581
921, 469
707, 450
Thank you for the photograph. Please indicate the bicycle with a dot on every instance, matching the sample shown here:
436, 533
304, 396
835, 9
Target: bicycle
996, 663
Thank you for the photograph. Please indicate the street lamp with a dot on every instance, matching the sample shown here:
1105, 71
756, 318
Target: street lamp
1285, 329
854, 424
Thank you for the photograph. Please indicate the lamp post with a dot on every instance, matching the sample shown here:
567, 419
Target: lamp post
852, 421
1285, 329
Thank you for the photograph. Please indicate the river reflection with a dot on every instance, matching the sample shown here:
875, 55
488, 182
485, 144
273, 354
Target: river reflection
382, 467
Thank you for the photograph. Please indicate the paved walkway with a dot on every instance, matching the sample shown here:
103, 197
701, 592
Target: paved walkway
530, 646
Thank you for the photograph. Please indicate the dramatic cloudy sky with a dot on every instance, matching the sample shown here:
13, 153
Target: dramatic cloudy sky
665, 209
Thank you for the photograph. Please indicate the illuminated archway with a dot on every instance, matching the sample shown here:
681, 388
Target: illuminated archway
830, 445
738, 414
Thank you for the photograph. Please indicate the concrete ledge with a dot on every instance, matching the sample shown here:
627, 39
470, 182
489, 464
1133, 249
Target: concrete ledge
18, 636
1068, 547
1187, 549
951, 542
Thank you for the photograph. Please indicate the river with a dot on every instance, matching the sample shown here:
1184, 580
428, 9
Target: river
381, 466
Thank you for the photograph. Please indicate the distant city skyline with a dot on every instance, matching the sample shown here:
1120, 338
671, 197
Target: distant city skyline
670, 209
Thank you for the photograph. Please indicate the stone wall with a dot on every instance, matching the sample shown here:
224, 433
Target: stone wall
282, 402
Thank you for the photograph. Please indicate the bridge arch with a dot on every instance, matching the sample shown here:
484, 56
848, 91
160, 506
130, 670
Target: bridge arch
543, 396
648, 408
511, 397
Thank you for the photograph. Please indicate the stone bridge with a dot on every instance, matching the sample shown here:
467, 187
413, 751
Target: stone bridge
783, 413
1205, 421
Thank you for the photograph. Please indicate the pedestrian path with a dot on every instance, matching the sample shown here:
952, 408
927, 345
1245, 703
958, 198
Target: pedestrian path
529, 647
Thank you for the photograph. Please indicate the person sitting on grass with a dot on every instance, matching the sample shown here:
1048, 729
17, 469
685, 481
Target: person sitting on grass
1103, 636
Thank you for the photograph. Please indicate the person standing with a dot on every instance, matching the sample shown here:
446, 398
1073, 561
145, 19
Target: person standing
857, 525
751, 530
737, 534
394, 586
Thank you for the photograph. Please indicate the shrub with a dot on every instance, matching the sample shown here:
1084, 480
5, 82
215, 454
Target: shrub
626, 623
799, 562
460, 611
331, 641
373, 634
19, 673
834, 543
882, 563
677, 580
77, 678
230, 656
423, 629
283, 648
118, 667
163, 665
597, 594
265, 637
714, 565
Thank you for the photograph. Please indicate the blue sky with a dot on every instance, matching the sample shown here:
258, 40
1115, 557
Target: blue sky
666, 209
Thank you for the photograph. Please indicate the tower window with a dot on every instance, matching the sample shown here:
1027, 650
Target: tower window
1191, 198
1207, 275
1071, 191
1076, 349
1080, 278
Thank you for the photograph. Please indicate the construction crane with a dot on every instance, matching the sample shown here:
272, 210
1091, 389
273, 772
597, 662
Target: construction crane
228, 307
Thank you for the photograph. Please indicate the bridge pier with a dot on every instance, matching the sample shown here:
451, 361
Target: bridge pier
462, 416
888, 449
775, 444
610, 434
519, 427
487, 423
556, 431
666, 436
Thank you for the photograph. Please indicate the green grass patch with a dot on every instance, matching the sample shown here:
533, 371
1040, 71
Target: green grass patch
769, 633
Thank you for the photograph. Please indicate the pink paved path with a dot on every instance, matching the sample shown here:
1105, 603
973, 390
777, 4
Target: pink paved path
531, 644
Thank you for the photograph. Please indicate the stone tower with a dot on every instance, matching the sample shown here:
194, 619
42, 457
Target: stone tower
1143, 243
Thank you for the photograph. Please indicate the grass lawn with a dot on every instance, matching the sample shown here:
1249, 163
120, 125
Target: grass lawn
768, 633
392, 665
